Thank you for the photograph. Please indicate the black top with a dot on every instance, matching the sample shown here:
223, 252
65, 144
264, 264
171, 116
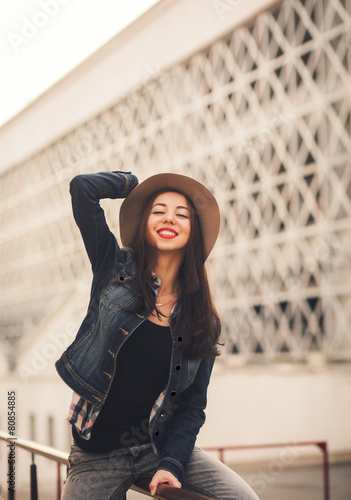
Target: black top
142, 371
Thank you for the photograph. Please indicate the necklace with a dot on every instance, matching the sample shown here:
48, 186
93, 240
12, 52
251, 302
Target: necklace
164, 294
173, 298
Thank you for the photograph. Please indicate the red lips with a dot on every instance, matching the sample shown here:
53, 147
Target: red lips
167, 232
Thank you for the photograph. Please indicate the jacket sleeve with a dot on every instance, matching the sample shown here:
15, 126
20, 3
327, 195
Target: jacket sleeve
86, 191
185, 422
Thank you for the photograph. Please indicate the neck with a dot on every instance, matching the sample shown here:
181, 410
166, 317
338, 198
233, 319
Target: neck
167, 269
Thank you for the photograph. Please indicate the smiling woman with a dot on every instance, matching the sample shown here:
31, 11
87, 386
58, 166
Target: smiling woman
140, 369
179, 260
168, 230
169, 219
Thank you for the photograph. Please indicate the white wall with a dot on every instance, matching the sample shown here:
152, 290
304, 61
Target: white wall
280, 403
42, 397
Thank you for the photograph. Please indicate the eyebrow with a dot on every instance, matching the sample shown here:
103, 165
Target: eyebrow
164, 205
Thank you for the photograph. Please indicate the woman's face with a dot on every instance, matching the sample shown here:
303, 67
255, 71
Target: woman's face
168, 224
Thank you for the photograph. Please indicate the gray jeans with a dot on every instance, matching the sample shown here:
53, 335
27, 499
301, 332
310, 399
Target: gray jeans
107, 476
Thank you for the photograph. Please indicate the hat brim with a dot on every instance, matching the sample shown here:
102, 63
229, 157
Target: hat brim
202, 198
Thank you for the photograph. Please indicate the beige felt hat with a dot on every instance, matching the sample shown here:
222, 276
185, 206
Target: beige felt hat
202, 198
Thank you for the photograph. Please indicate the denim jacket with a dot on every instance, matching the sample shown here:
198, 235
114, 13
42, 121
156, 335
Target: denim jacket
88, 364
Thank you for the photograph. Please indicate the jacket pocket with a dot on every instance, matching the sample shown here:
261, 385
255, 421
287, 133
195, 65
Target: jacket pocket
119, 293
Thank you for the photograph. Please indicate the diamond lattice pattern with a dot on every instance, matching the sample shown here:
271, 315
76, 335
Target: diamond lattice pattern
262, 117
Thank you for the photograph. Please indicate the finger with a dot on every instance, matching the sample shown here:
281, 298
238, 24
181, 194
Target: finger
174, 482
153, 487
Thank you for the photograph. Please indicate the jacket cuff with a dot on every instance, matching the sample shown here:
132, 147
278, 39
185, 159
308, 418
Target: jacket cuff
131, 180
172, 466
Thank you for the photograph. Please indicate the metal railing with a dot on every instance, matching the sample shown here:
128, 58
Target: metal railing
322, 446
164, 491
60, 457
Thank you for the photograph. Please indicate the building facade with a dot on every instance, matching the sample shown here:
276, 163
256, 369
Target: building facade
258, 107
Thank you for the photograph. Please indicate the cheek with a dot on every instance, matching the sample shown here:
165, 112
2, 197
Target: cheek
187, 231
149, 230
149, 225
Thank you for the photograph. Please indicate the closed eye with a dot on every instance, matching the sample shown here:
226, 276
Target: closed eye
160, 212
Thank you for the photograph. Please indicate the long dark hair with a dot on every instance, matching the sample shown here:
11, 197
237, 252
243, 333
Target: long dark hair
200, 321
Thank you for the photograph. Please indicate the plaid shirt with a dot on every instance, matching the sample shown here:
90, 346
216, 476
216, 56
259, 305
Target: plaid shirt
82, 415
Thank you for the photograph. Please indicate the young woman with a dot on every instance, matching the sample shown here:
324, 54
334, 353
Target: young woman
141, 362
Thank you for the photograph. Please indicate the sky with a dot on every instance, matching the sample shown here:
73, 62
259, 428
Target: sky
42, 40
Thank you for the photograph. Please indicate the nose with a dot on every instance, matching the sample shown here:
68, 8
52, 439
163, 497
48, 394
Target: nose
168, 218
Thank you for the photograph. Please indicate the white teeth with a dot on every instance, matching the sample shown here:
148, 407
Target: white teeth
167, 233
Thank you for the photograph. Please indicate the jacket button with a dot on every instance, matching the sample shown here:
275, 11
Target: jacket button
173, 393
178, 367
180, 339
162, 415
156, 433
120, 278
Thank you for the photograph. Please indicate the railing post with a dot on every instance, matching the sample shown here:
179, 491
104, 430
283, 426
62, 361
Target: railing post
324, 447
33, 480
58, 489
